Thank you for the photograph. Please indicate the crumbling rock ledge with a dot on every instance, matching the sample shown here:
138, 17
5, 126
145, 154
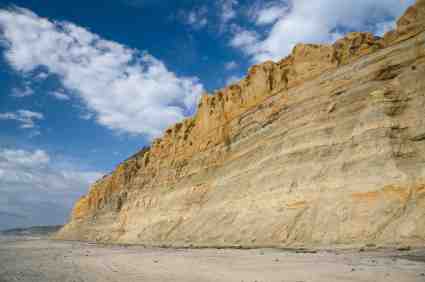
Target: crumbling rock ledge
324, 147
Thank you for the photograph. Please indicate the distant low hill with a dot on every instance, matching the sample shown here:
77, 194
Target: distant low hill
33, 231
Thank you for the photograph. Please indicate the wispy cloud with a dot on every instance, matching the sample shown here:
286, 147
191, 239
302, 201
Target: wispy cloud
197, 18
22, 92
42, 76
268, 13
231, 65
129, 91
24, 158
60, 95
26, 119
244, 39
228, 11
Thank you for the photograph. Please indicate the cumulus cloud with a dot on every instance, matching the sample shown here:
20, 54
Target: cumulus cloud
35, 190
314, 22
26, 119
129, 91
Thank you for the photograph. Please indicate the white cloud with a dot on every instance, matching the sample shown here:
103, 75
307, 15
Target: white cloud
27, 119
36, 189
196, 18
23, 158
22, 92
42, 76
34, 133
244, 39
86, 116
315, 22
231, 65
129, 91
270, 14
60, 95
383, 27
228, 12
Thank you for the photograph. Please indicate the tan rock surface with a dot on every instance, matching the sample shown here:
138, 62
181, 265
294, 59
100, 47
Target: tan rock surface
325, 147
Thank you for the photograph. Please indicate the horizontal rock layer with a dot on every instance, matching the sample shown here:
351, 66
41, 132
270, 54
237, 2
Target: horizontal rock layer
325, 147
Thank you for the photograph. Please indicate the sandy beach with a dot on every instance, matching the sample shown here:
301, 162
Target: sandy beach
46, 260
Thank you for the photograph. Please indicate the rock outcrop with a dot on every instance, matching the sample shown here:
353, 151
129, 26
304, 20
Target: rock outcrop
324, 147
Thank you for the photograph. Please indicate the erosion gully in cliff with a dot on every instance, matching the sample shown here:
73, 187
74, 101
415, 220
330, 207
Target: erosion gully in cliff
324, 147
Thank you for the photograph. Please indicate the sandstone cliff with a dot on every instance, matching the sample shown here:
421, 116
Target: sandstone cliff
324, 147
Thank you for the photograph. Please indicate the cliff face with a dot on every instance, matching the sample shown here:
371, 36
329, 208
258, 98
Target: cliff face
326, 146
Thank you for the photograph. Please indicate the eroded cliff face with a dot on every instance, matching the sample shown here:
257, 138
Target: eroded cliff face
326, 146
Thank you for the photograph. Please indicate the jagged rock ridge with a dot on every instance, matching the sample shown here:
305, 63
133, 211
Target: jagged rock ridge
326, 146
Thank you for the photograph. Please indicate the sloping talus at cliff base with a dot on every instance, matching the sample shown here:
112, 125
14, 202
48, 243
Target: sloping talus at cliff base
325, 147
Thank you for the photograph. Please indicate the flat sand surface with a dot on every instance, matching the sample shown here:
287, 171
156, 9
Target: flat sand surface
46, 260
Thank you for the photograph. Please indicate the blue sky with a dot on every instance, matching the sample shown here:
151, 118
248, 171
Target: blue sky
85, 84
